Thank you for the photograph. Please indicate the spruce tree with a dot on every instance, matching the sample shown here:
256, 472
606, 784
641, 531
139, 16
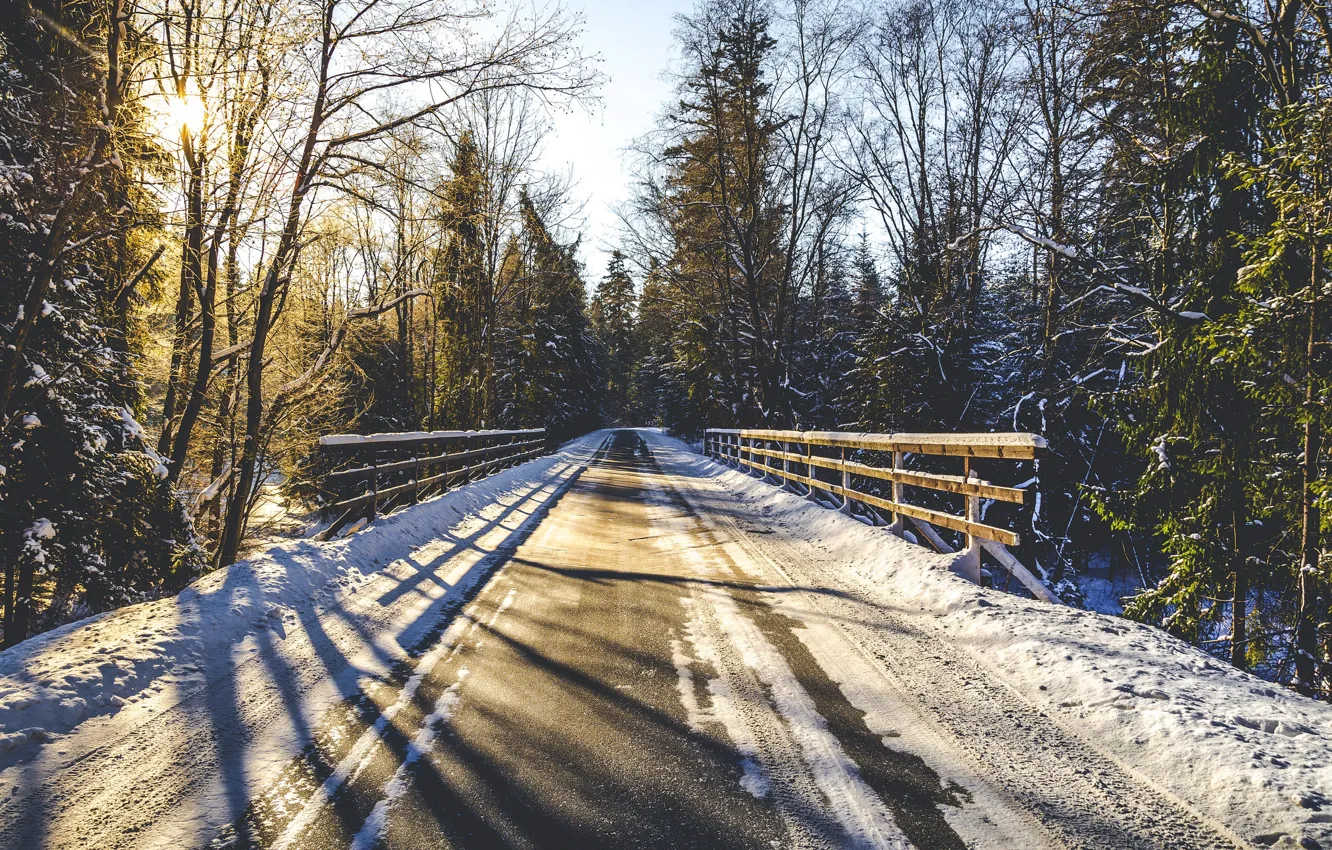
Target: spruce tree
88, 523
612, 314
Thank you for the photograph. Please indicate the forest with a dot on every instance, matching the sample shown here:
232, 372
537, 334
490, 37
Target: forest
228, 227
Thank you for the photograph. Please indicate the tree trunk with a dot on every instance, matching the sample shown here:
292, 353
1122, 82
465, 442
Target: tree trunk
191, 276
238, 505
1239, 640
1306, 637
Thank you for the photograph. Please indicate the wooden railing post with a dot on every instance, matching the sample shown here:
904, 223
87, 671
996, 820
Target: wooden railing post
374, 483
968, 563
846, 485
416, 477
786, 465
810, 471
899, 522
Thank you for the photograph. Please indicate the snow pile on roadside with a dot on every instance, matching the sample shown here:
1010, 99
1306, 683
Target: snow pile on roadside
1237, 748
52, 683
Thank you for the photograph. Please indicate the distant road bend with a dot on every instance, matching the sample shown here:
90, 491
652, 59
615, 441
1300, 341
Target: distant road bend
637, 665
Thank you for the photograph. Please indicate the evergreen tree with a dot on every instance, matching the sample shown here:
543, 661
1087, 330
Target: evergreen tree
87, 524
612, 314
560, 376
463, 293
868, 298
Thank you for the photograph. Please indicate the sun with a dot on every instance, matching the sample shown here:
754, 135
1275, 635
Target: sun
172, 114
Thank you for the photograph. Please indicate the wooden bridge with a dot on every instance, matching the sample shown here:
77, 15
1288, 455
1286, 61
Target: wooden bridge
371, 474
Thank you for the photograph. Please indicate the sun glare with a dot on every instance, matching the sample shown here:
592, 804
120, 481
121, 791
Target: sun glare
173, 114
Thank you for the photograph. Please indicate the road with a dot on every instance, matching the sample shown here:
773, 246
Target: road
644, 672
616, 658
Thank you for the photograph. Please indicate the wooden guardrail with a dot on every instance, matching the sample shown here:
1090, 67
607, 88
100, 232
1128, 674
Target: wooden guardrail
774, 453
371, 473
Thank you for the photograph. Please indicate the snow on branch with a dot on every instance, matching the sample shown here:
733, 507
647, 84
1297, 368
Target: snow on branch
1040, 241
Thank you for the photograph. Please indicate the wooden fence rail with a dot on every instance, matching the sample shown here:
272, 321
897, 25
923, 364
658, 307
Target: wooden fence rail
371, 473
797, 456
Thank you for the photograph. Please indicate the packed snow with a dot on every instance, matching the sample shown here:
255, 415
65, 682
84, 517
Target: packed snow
1247, 753
1235, 748
51, 684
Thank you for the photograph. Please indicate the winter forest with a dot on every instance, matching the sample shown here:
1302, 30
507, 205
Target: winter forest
228, 227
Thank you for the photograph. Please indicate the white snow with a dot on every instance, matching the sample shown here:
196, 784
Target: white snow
138, 658
724, 706
857, 808
1041, 241
1241, 750
39, 377
33, 536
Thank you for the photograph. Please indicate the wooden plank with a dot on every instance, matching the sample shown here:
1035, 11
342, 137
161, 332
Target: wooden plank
940, 545
404, 438
1021, 573
933, 481
435, 460
1014, 446
394, 490
949, 521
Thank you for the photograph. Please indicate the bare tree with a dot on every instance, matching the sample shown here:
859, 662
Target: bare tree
366, 52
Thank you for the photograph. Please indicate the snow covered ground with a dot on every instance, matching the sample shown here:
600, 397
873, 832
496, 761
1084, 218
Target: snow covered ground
176, 711
268, 628
1234, 747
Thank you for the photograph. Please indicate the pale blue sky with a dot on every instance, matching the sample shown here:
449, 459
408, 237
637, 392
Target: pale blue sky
634, 42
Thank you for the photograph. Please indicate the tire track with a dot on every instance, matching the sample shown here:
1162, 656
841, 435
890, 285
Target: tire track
1083, 797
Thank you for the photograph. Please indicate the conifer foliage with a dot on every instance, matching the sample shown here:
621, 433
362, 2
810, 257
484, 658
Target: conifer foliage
87, 523
1104, 221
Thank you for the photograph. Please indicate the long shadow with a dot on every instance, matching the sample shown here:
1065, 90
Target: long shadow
539, 819
427, 572
257, 822
605, 576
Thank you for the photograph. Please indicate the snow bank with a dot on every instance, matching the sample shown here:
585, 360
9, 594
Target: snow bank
1235, 747
52, 683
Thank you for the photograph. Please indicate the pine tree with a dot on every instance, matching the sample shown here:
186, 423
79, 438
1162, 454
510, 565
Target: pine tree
88, 524
868, 296
612, 314
735, 322
462, 291
560, 378
1182, 92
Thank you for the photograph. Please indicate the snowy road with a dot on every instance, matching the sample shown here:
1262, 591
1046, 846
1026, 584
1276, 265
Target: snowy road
619, 654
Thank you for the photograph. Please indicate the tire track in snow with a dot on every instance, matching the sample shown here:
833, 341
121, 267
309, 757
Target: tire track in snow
373, 828
788, 749
1083, 797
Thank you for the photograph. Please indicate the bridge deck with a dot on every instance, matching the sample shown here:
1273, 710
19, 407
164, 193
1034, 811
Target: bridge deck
637, 675
616, 655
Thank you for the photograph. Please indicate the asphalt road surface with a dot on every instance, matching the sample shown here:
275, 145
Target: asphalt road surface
644, 671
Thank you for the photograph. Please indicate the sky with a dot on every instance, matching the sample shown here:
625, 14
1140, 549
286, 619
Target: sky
633, 39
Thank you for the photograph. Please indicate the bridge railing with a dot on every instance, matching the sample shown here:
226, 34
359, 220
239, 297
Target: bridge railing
372, 473
796, 457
